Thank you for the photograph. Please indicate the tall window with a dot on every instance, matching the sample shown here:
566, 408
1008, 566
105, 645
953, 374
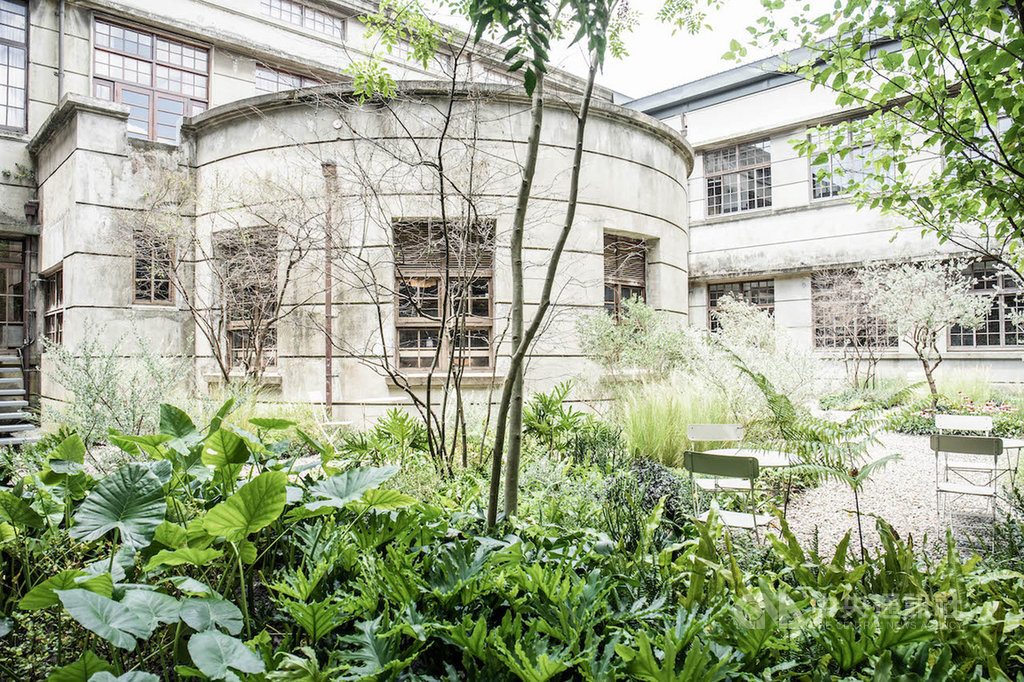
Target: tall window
843, 317
999, 327
274, 80
303, 15
625, 272
760, 293
162, 80
247, 269
53, 306
832, 174
13, 63
444, 300
152, 263
739, 178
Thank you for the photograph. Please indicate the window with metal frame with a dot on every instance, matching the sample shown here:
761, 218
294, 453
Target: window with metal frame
833, 174
444, 294
842, 314
758, 292
152, 265
738, 178
1000, 327
13, 64
269, 79
299, 14
53, 306
625, 272
161, 79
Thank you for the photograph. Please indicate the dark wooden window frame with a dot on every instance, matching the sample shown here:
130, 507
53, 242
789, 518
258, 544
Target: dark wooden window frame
151, 283
191, 104
53, 306
429, 266
625, 272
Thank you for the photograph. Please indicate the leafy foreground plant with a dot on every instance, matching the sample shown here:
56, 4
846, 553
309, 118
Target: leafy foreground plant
254, 566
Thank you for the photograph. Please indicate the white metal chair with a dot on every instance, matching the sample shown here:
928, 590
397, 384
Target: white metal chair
985, 452
983, 425
721, 433
728, 468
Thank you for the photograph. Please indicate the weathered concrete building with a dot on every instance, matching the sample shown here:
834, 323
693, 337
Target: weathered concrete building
154, 153
764, 227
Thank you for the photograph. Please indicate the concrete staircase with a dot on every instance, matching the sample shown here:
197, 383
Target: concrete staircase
16, 427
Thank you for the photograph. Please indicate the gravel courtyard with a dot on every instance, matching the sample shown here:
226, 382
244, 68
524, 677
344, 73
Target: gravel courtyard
903, 493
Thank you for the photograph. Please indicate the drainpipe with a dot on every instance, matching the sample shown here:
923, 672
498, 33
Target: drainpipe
60, 51
330, 177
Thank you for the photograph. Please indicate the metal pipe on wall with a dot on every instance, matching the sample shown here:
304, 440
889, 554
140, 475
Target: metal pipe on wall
60, 50
330, 178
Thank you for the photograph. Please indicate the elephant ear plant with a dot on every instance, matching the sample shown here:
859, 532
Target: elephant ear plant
177, 538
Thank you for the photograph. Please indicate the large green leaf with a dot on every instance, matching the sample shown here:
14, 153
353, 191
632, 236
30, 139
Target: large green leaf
152, 607
271, 424
43, 595
255, 505
216, 654
71, 449
203, 614
107, 618
132, 676
348, 486
170, 535
174, 422
18, 512
147, 446
192, 556
223, 447
130, 500
382, 499
81, 670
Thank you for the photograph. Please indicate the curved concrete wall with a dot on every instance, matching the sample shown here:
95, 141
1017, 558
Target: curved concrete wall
272, 148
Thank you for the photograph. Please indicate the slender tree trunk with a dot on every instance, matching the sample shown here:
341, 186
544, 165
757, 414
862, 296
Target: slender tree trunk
518, 227
516, 364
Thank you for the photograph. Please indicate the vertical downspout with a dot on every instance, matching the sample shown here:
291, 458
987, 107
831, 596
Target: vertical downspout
330, 177
60, 51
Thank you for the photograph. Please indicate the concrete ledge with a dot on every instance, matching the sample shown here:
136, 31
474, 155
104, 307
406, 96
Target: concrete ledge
71, 105
345, 92
469, 379
269, 379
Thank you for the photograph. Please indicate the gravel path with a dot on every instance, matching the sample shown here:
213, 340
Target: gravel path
903, 493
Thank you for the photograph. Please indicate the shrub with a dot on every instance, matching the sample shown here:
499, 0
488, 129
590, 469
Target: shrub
107, 389
654, 418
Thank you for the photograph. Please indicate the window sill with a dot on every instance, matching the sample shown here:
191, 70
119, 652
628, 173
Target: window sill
269, 378
736, 215
469, 379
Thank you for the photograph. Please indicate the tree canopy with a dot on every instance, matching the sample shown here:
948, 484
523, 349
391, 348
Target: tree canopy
933, 78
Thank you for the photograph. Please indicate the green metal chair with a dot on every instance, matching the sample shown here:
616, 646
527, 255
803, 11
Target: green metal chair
731, 469
985, 450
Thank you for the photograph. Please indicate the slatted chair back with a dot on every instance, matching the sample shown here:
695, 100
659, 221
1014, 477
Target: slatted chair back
723, 466
967, 445
964, 422
726, 433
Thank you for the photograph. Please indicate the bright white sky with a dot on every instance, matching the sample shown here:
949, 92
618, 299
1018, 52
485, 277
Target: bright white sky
659, 60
